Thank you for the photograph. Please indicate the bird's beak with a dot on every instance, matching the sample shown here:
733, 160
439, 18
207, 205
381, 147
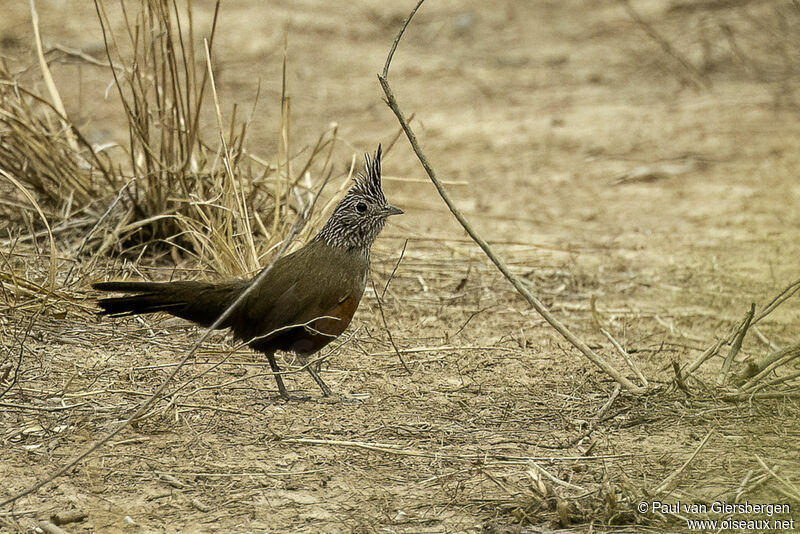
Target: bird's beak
391, 210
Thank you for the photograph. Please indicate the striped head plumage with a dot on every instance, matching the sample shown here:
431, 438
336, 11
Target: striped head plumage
362, 213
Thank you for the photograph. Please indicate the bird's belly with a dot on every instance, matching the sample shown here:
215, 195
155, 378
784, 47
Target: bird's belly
309, 339
318, 332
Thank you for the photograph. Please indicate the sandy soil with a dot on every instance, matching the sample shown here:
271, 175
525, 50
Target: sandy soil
596, 162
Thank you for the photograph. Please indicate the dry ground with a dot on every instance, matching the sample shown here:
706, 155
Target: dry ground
598, 165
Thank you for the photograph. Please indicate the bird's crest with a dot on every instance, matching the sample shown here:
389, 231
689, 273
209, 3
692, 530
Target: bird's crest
368, 182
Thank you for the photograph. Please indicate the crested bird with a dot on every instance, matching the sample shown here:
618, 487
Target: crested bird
302, 303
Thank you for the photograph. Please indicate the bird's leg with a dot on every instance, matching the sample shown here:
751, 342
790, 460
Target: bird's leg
326, 391
275, 369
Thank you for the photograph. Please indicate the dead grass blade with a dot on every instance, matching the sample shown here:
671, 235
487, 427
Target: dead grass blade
40, 153
622, 352
379, 300
51, 276
48, 77
204, 200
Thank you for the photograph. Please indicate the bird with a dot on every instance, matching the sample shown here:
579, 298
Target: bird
301, 304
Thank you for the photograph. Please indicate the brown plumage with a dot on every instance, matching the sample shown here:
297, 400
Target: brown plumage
304, 302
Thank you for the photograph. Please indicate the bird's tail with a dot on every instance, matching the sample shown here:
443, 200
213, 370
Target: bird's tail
200, 302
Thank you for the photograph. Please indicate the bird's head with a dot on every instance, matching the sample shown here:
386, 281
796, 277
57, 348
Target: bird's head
362, 213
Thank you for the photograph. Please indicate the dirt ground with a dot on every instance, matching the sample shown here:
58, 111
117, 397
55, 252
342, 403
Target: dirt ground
651, 165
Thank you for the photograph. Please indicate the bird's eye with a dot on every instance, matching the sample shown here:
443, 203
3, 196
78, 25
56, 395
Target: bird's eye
361, 207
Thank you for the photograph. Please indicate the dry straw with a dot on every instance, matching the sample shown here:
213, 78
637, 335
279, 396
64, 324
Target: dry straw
167, 187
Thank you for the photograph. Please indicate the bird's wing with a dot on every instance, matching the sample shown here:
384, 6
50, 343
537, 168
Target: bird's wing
301, 288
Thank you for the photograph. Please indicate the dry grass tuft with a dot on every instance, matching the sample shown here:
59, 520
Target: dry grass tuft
36, 147
170, 187
220, 203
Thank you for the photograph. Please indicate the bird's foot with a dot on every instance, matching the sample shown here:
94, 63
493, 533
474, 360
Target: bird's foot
263, 404
296, 398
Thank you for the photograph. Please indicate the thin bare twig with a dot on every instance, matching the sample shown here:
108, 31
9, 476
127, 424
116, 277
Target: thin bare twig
696, 78
737, 345
710, 352
380, 307
389, 332
627, 357
607, 406
755, 372
391, 448
394, 271
616, 344
13, 380
515, 281
555, 479
51, 272
679, 379
396, 42
41, 408
48, 79
769, 395
94, 228
779, 299
775, 381
667, 483
792, 490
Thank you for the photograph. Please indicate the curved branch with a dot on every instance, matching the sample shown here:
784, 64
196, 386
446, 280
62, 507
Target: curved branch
515, 280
